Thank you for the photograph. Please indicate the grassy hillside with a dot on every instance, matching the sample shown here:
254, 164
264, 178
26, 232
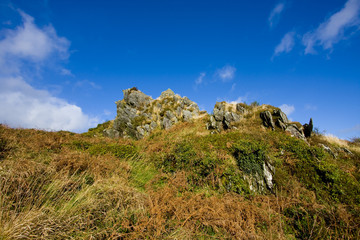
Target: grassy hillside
184, 183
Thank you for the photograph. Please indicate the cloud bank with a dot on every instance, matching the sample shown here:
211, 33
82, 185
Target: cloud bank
22, 105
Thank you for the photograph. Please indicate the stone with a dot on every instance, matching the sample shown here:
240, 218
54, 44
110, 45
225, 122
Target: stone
167, 124
308, 128
167, 94
235, 117
212, 125
268, 176
153, 125
140, 133
282, 116
328, 149
267, 119
135, 98
111, 133
280, 124
224, 116
187, 116
170, 115
240, 108
295, 131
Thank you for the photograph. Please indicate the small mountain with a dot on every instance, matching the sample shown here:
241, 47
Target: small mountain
163, 169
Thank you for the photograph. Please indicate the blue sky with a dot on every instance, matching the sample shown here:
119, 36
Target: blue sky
64, 63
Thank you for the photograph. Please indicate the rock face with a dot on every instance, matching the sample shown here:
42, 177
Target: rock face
261, 183
267, 119
138, 114
281, 120
225, 115
295, 131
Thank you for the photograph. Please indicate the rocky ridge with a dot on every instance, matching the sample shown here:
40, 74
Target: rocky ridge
138, 115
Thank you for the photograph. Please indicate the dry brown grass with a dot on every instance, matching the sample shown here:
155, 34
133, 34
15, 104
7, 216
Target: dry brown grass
49, 189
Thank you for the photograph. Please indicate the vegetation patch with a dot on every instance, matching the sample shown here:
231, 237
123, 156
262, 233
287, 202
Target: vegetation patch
250, 157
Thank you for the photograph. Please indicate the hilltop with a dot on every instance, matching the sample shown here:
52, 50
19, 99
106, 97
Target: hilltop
163, 169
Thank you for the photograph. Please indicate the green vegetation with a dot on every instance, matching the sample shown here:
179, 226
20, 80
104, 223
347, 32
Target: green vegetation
98, 131
184, 183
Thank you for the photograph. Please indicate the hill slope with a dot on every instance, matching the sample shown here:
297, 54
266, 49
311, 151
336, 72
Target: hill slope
181, 183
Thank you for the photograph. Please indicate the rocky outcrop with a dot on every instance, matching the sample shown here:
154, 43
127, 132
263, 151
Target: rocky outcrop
295, 131
281, 121
225, 115
138, 114
267, 119
261, 182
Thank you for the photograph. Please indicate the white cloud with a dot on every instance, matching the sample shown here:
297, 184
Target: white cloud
85, 83
226, 73
28, 42
233, 87
238, 100
275, 14
286, 44
310, 107
200, 79
66, 72
334, 28
287, 109
21, 104
24, 106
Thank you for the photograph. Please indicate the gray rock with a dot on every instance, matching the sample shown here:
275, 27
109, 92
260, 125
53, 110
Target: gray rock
269, 170
295, 131
153, 125
228, 117
167, 94
240, 108
212, 125
136, 98
219, 112
267, 119
170, 115
140, 132
328, 149
178, 111
166, 124
147, 128
280, 124
282, 116
187, 116
235, 117
111, 133
187, 101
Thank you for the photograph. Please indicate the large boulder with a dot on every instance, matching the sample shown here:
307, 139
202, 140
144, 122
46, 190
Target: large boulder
267, 119
295, 131
281, 116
